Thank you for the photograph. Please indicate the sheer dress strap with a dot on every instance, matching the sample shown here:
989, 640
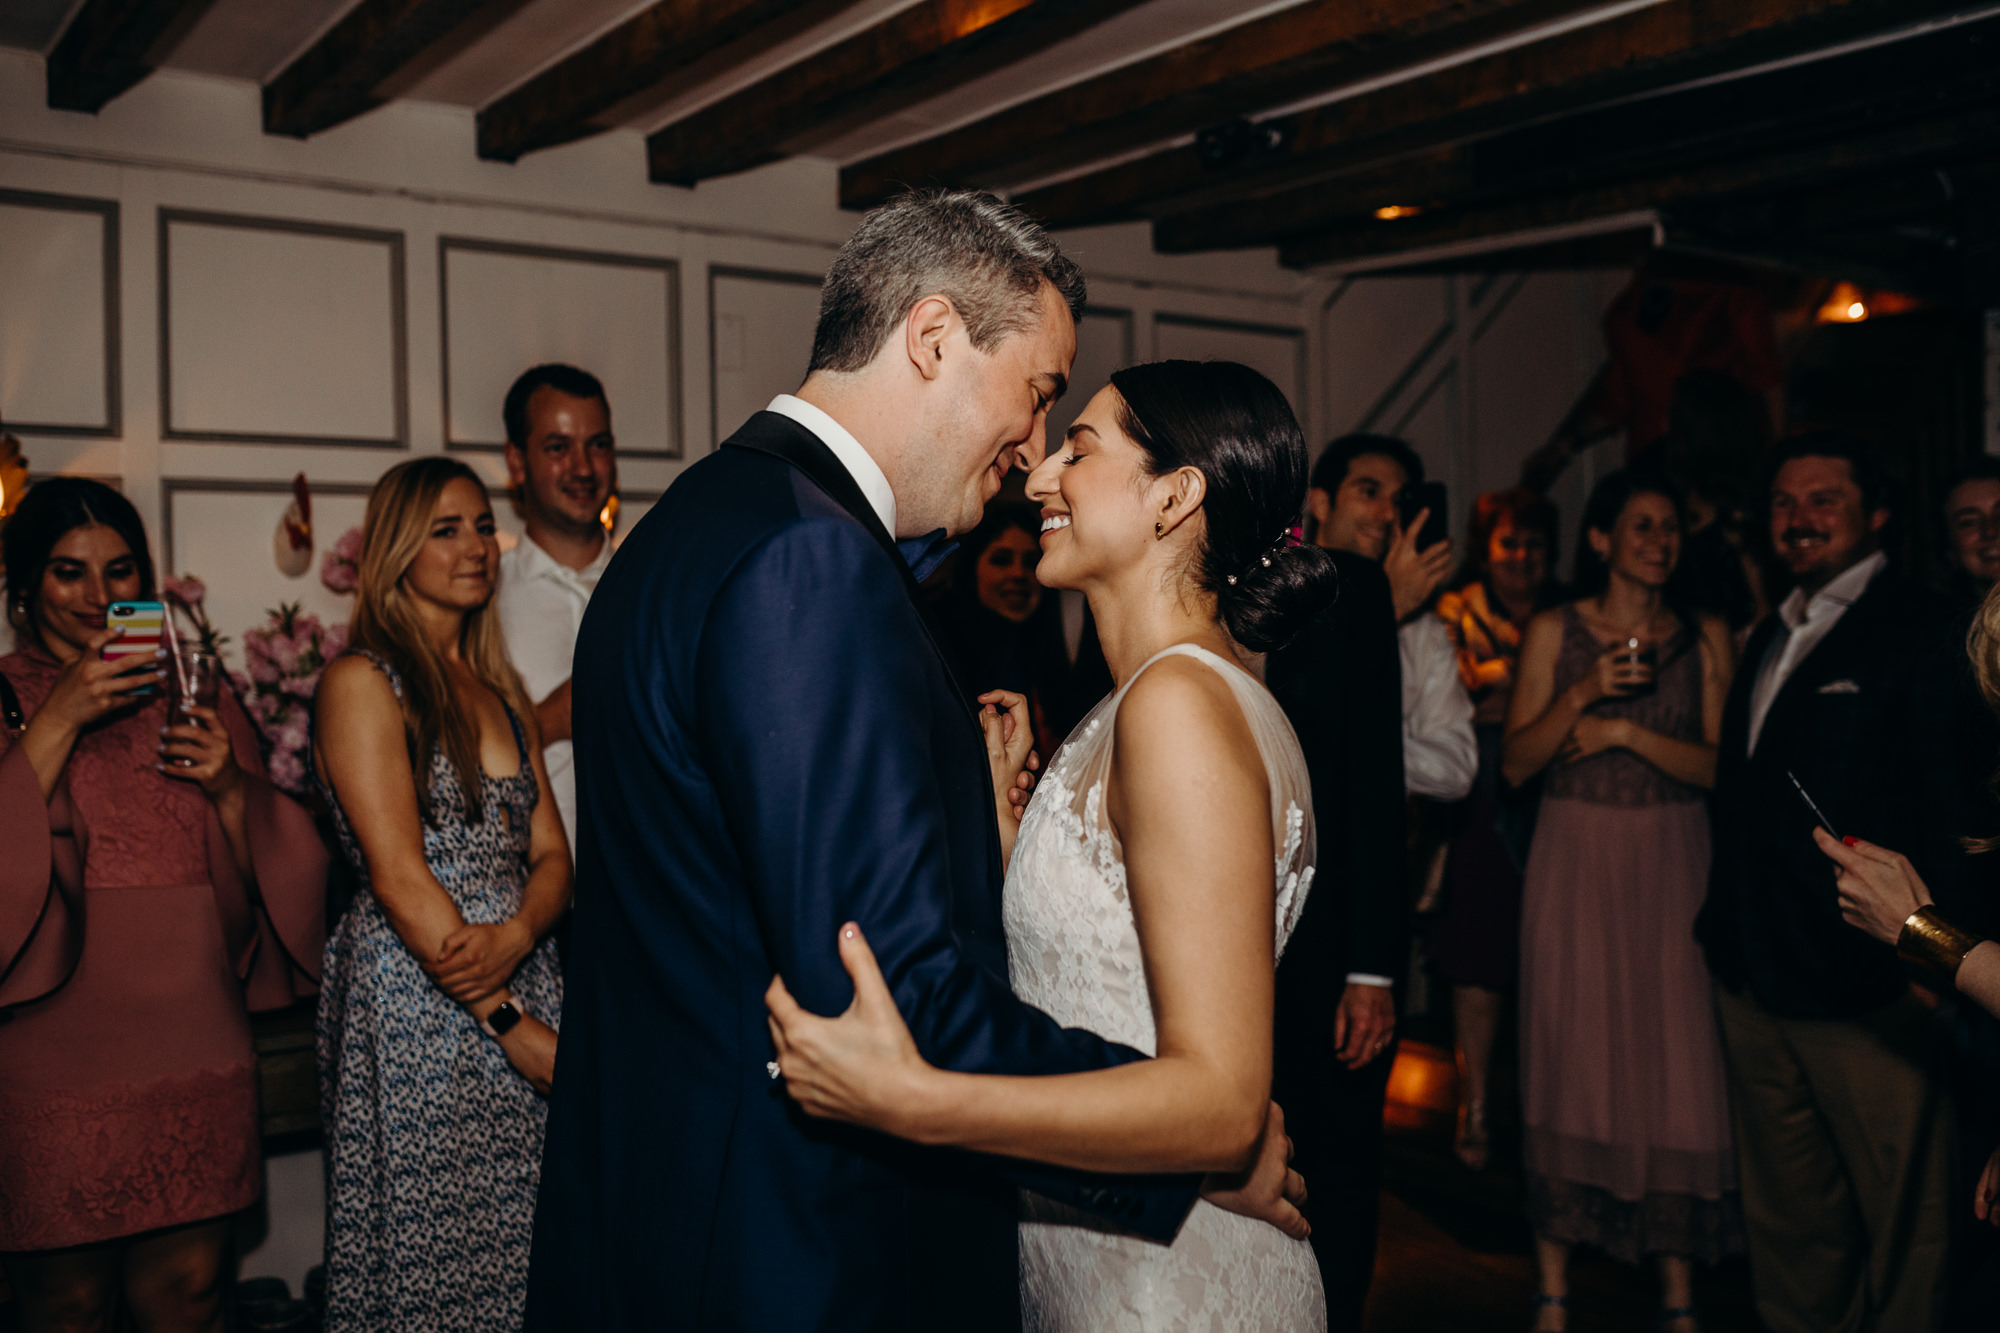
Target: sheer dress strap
1083, 768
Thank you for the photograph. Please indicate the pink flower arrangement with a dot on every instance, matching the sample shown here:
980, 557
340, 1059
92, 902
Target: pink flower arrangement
283, 659
340, 568
186, 595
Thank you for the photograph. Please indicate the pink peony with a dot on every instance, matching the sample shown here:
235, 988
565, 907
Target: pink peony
257, 660
287, 770
188, 590
340, 569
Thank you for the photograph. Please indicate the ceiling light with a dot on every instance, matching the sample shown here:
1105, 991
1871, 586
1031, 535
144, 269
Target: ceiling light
1390, 212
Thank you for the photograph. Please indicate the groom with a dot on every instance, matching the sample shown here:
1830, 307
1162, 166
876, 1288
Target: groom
770, 744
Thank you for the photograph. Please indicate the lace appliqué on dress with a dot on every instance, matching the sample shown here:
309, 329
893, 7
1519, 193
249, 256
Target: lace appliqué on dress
127, 1158
1073, 949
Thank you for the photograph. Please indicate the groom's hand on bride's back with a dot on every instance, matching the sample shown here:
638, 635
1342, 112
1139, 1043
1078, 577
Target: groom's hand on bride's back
1270, 1190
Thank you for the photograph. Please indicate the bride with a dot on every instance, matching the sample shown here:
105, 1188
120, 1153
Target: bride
1155, 875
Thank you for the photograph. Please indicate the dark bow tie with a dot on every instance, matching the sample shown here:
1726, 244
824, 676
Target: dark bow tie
924, 554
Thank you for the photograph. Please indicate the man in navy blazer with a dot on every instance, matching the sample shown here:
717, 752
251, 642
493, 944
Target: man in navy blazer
770, 744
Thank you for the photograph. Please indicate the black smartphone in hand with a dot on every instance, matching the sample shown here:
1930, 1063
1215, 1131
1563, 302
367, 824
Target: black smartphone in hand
1437, 526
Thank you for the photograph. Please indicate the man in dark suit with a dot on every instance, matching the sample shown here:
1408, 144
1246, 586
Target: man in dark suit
1341, 685
770, 744
1840, 1126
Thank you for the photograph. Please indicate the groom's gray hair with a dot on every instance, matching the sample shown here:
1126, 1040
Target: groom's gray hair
988, 258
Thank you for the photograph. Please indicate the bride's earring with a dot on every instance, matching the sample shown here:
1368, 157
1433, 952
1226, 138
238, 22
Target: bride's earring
1159, 530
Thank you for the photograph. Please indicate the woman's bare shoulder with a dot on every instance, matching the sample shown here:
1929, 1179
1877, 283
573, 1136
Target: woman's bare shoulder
353, 686
1179, 708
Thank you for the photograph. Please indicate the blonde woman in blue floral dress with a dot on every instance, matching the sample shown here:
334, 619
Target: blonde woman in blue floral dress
441, 999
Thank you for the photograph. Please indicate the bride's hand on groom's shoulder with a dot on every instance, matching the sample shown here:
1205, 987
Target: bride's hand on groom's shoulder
1270, 1190
863, 1067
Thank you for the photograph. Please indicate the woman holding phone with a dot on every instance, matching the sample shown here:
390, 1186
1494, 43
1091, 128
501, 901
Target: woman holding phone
1619, 698
155, 886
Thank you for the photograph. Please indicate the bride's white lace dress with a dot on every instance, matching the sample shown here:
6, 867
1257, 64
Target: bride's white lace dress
1074, 954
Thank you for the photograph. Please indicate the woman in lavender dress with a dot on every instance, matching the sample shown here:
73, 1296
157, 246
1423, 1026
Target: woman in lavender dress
1619, 698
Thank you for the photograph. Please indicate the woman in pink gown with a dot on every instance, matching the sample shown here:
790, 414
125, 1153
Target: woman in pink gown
155, 887
1619, 699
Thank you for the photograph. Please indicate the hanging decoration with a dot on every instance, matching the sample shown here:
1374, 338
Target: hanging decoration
293, 541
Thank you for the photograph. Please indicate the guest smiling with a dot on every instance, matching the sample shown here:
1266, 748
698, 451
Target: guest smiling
437, 1027
154, 886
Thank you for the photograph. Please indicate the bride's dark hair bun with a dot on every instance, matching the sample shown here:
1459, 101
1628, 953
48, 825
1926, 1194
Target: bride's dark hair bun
1235, 427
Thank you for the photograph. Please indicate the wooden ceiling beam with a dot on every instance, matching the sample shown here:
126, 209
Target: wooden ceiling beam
109, 46
912, 55
1945, 141
1819, 102
1634, 55
558, 105
1263, 63
334, 80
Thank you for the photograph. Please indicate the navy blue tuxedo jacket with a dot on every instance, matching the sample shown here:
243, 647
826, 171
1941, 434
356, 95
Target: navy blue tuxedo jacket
769, 744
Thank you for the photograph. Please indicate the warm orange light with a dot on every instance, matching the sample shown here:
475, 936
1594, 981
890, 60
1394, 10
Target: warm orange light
608, 515
1845, 304
1390, 212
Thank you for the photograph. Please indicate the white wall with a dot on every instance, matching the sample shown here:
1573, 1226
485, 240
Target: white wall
1476, 371
198, 310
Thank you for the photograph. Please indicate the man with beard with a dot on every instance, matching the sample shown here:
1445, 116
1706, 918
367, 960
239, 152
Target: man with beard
562, 465
1842, 1134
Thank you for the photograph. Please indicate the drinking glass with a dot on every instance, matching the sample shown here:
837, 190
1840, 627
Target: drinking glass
197, 682
1638, 652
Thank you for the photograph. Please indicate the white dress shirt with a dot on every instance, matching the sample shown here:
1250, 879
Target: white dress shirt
1440, 753
541, 605
1809, 620
867, 473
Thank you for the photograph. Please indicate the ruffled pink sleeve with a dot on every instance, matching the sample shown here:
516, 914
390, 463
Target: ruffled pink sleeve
41, 911
276, 929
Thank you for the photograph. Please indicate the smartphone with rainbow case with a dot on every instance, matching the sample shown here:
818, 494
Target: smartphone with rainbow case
145, 626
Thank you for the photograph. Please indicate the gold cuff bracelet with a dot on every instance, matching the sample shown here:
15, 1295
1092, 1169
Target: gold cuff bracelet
1934, 944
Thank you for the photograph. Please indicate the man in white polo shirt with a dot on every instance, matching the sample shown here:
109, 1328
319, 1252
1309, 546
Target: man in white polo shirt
562, 465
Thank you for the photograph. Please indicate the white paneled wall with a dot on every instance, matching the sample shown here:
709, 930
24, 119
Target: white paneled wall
1475, 371
508, 307
281, 331
761, 329
59, 275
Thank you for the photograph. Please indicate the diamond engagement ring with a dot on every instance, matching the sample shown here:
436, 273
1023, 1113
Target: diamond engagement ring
771, 1068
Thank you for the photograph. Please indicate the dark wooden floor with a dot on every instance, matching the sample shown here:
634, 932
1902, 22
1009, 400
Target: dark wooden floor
1456, 1254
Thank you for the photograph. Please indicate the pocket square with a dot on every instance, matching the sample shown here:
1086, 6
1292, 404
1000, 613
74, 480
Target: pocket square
1840, 687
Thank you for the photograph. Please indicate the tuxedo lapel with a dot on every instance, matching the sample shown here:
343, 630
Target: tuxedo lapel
782, 438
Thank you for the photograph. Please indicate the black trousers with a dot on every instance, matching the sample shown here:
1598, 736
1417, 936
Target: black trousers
1334, 1117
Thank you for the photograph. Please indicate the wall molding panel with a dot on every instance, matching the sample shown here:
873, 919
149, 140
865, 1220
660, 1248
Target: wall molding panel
270, 326
617, 315
736, 386
1278, 350
44, 327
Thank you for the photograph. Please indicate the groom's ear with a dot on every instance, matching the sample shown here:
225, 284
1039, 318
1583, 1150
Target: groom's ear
924, 332
1185, 488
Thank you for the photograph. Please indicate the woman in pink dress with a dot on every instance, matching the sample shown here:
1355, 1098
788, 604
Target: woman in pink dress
155, 887
1618, 698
